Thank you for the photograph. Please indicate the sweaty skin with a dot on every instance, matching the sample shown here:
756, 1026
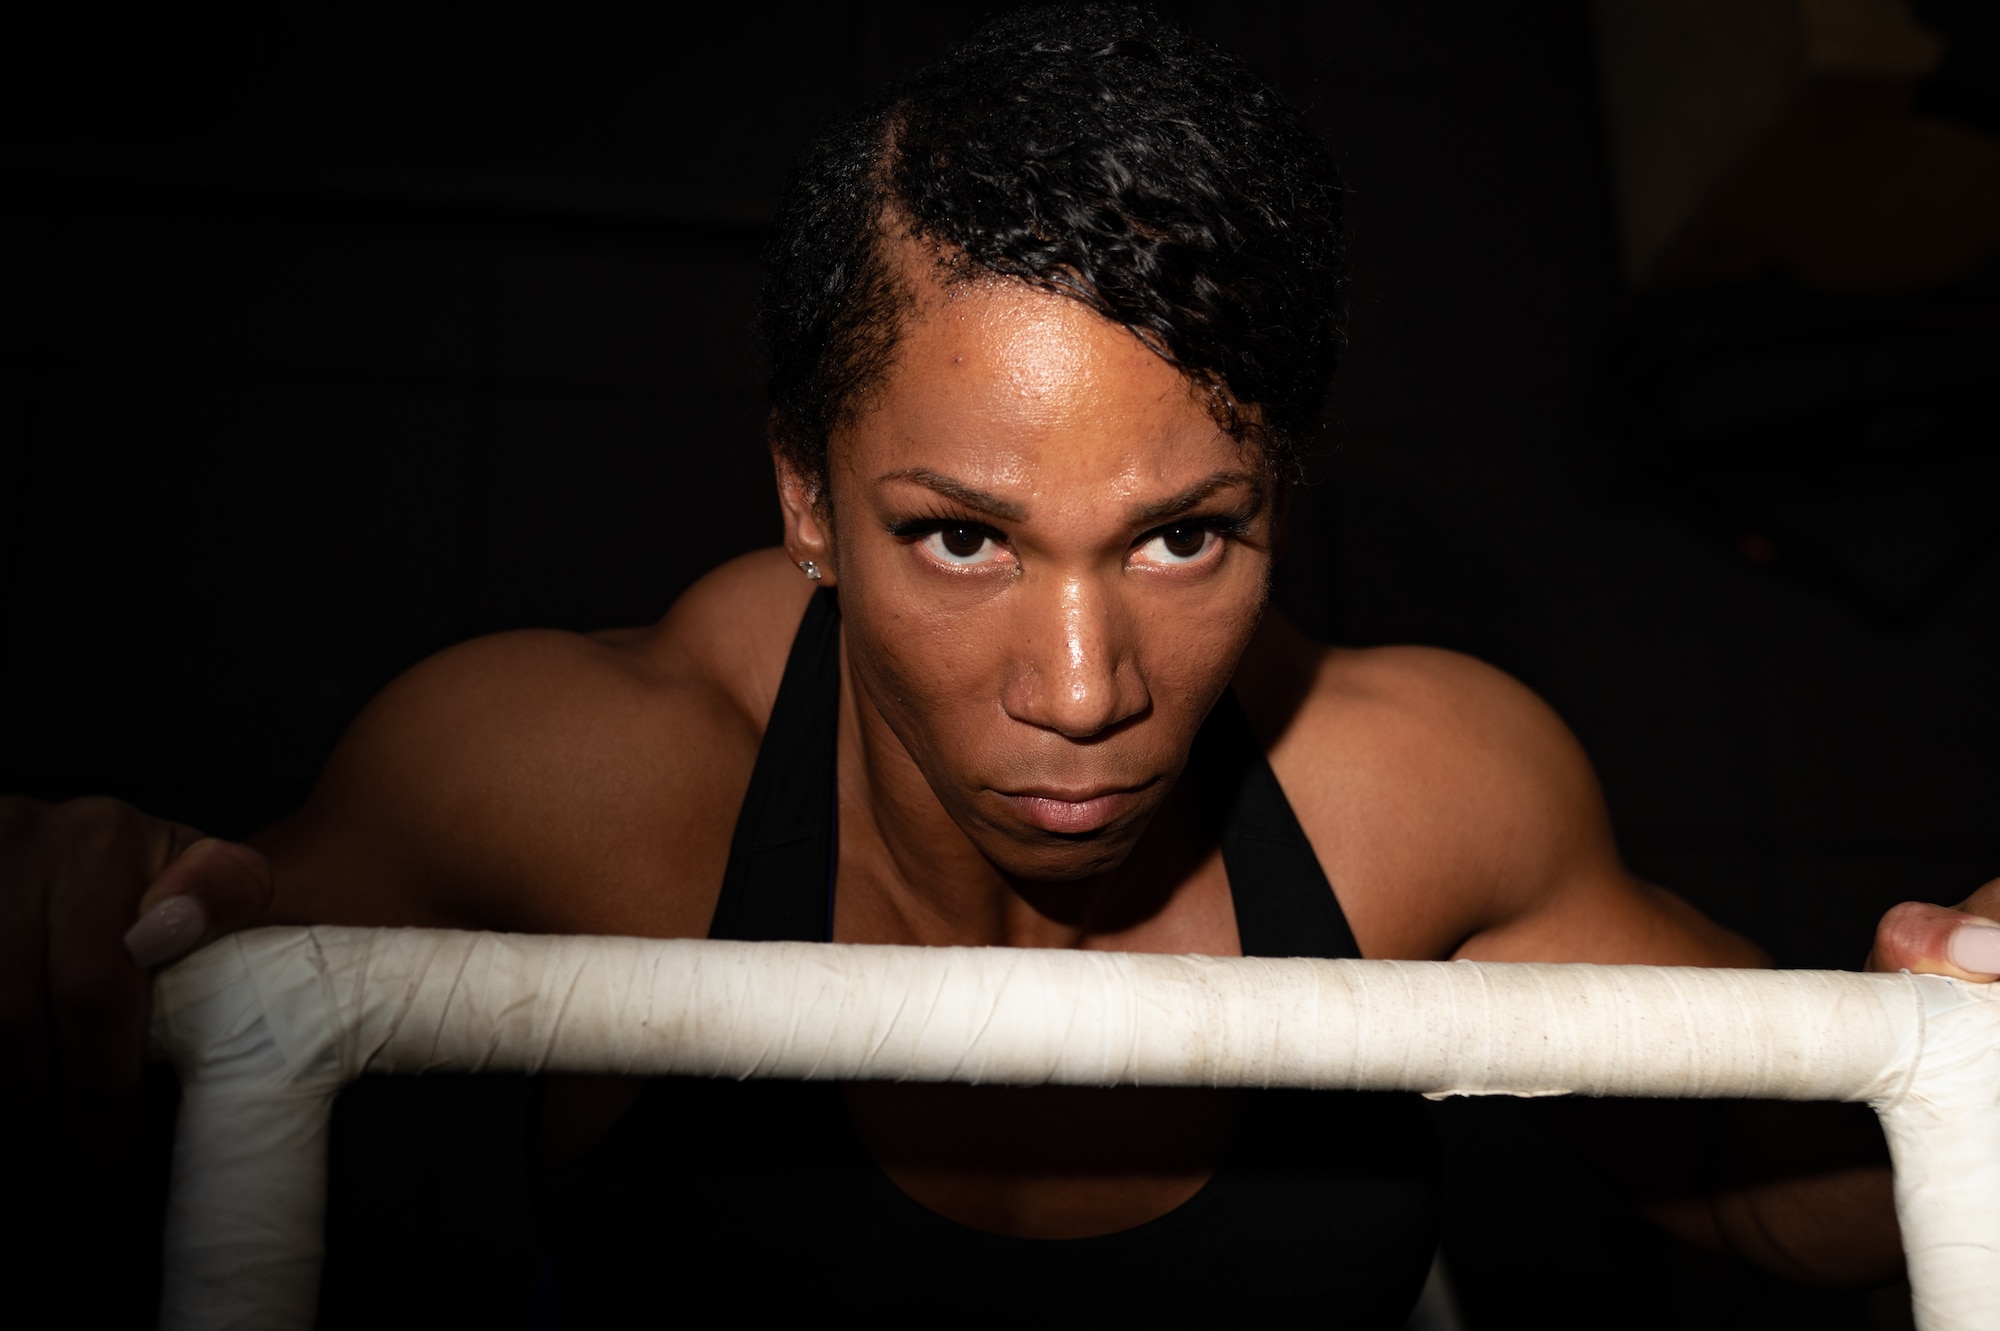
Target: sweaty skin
1051, 561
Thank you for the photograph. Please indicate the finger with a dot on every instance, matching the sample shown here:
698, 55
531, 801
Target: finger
1937, 940
24, 1043
96, 994
209, 889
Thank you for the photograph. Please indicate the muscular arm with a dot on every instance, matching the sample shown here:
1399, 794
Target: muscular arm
1458, 817
544, 782
535, 781
1800, 1189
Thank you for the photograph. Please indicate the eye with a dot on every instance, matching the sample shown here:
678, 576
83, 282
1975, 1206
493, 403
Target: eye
961, 544
1182, 543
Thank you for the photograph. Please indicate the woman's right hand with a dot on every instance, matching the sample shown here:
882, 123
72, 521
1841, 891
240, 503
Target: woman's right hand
94, 895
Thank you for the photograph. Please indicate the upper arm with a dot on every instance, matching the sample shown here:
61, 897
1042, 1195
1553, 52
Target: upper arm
1459, 817
530, 781
1564, 894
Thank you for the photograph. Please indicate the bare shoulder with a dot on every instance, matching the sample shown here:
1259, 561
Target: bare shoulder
548, 781
1455, 812
733, 629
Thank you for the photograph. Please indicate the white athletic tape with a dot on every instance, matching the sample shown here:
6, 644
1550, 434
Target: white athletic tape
266, 1026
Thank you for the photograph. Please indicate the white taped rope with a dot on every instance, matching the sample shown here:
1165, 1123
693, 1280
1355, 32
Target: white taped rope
264, 1027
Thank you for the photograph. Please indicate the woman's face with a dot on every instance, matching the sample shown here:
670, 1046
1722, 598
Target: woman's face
1050, 558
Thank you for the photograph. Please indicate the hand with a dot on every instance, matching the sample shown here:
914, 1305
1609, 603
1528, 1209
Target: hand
93, 895
1961, 941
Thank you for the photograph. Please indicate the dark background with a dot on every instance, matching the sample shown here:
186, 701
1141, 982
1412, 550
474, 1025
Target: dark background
329, 338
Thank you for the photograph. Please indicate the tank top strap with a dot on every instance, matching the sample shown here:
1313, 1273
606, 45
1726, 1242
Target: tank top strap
1285, 907
782, 858
778, 886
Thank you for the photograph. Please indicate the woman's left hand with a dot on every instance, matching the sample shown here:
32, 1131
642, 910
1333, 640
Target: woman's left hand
1961, 941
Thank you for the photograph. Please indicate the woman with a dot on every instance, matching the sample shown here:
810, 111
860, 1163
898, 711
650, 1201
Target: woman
1049, 327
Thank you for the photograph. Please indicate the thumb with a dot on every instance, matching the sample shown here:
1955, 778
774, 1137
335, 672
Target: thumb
209, 889
1963, 942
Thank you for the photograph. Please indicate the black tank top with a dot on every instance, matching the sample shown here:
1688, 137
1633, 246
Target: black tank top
748, 1199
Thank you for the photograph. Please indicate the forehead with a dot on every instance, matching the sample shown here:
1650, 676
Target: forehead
1002, 383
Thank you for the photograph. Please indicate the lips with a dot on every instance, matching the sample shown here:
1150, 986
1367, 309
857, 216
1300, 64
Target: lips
1059, 813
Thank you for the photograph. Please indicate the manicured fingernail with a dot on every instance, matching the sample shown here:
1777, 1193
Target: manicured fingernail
1975, 947
172, 927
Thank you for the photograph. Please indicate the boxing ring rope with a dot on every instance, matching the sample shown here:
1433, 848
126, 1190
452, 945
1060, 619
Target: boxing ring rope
266, 1026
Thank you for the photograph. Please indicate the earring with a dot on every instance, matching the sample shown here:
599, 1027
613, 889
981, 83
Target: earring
810, 569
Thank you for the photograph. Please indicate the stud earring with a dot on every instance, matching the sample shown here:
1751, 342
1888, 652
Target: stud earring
810, 569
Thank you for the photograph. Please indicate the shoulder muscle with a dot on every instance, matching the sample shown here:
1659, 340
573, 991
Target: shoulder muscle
538, 781
1458, 815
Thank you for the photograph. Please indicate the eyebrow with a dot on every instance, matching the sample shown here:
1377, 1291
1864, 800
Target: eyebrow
1192, 497
985, 502
970, 496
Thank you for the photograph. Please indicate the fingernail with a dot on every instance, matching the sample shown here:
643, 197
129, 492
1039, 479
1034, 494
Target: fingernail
1975, 947
175, 925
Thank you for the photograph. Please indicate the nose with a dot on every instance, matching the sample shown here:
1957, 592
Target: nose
1075, 671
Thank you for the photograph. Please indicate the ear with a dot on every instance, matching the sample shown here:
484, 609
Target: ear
808, 518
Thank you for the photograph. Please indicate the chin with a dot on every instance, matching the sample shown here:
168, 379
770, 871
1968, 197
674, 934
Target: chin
1048, 857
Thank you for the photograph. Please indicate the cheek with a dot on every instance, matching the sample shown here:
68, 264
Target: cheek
1190, 652
916, 646
934, 672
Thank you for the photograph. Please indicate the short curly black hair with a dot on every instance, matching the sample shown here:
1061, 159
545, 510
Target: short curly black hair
1097, 152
